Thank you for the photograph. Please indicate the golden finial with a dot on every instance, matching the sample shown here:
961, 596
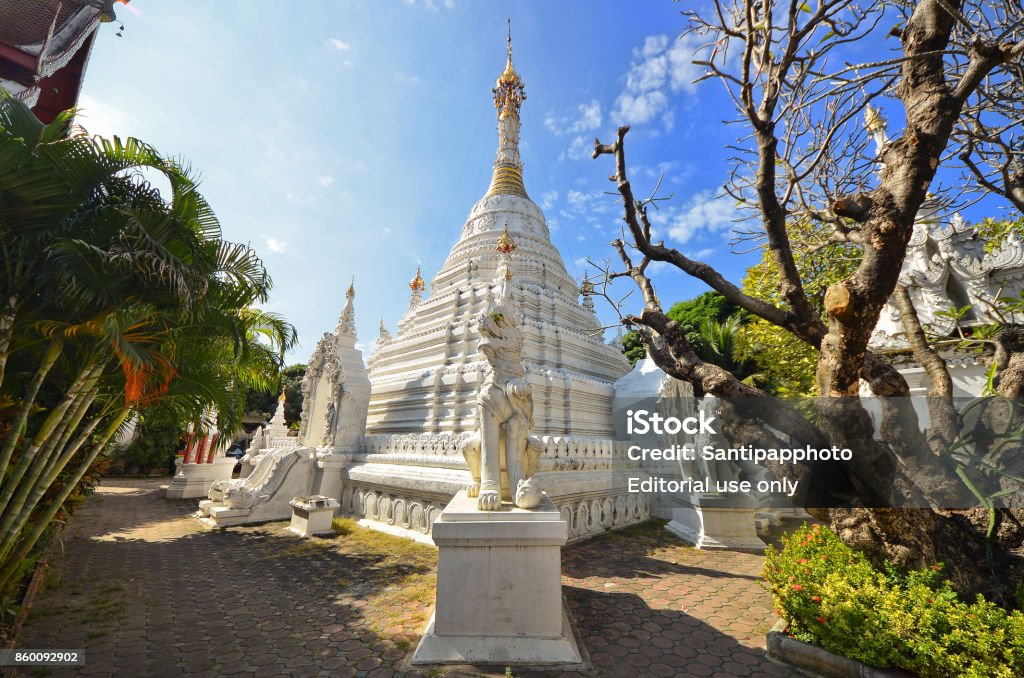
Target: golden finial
873, 120
281, 397
351, 288
509, 92
586, 288
417, 284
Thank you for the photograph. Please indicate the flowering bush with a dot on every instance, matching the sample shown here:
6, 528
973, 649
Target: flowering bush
834, 598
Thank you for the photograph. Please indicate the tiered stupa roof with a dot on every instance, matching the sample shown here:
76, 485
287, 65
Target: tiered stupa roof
426, 378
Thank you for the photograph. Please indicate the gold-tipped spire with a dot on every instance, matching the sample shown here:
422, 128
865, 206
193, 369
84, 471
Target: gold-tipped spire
509, 95
509, 92
417, 284
509, 75
281, 397
351, 292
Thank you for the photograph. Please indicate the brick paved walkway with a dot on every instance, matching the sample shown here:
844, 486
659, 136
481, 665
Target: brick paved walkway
150, 592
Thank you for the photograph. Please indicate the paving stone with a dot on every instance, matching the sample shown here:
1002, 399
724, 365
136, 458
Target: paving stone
194, 601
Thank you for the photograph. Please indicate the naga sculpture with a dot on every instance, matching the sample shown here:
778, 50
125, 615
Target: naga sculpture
505, 407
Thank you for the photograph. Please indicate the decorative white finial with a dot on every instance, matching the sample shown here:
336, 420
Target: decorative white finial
347, 320
384, 337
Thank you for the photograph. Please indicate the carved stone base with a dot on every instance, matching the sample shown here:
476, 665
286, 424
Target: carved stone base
312, 515
192, 481
721, 523
499, 588
405, 500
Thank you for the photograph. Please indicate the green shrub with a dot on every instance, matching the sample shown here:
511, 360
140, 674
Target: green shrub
834, 598
154, 448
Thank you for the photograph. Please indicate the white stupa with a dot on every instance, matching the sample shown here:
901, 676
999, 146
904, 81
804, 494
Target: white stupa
424, 380
388, 444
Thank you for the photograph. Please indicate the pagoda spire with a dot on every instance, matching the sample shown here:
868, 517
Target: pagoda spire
509, 94
347, 319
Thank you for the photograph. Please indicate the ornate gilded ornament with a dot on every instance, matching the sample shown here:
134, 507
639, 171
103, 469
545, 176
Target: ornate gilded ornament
509, 95
417, 284
873, 120
506, 245
509, 92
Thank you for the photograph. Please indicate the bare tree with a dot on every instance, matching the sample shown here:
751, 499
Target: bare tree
954, 75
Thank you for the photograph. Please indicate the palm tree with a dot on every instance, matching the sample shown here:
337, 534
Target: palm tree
114, 298
717, 343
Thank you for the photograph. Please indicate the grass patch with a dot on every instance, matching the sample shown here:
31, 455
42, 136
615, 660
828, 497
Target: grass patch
391, 573
649, 535
108, 605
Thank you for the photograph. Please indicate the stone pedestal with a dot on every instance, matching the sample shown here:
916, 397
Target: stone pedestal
312, 515
192, 481
499, 589
725, 523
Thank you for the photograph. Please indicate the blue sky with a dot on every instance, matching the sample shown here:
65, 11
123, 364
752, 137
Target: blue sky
352, 138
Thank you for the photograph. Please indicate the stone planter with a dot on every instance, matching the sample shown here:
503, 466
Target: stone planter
312, 515
815, 661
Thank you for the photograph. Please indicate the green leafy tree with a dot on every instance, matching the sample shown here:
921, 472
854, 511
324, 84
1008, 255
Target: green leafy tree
993, 232
633, 347
263, 403
718, 343
116, 299
809, 83
708, 306
789, 366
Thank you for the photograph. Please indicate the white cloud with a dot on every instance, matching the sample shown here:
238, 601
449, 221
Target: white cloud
653, 45
639, 108
386, 231
326, 181
547, 201
407, 78
705, 213
276, 246
338, 44
660, 67
657, 267
588, 119
580, 149
702, 254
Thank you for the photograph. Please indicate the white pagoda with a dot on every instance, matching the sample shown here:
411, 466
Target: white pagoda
388, 443
424, 379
